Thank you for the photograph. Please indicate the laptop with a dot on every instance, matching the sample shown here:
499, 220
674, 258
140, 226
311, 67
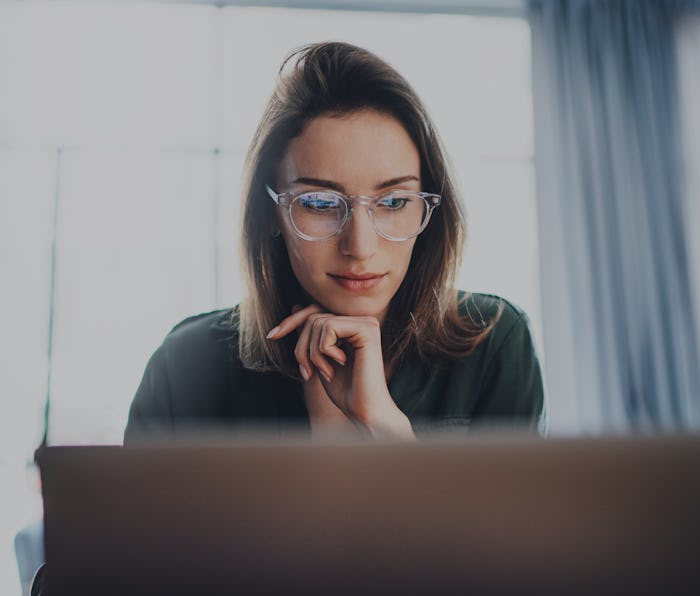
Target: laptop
480, 515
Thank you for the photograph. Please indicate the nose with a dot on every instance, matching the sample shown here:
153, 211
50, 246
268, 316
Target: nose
359, 238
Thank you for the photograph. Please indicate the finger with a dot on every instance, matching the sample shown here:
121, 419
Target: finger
301, 353
293, 321
328, 343
319, 360
301, 350
360, 332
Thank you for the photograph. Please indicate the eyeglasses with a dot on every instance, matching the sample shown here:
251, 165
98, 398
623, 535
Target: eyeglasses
321, 214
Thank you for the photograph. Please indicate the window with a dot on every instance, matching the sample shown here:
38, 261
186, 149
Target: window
126, 126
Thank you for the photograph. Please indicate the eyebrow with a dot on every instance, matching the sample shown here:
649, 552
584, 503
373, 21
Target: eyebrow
340, 188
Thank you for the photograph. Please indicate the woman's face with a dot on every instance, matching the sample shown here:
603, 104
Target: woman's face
356, 272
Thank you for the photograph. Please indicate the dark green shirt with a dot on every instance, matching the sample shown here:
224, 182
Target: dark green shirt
196, 380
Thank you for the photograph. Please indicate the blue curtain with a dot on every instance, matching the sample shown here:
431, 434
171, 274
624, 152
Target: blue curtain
620, 346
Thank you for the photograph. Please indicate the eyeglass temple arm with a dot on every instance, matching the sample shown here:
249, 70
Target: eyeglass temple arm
273, 195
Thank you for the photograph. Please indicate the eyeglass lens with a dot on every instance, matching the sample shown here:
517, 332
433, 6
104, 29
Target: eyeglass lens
320, 214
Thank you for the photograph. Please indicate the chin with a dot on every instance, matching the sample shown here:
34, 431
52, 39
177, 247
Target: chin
358, 307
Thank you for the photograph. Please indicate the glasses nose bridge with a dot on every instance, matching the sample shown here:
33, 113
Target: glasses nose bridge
367, 201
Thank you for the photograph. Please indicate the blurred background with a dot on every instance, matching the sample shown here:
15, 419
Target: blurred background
572, 127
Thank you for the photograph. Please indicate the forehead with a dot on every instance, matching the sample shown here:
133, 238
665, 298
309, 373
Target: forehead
357, 150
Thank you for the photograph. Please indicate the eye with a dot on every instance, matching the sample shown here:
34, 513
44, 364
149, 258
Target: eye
318, 202
393, 202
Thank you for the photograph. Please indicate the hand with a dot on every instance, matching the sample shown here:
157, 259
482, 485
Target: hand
345, 355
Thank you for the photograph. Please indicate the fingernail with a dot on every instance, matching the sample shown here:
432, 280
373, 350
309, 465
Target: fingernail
325, 376
273, 332
304, 373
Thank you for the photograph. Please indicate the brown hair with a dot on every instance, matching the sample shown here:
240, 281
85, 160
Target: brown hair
424, 318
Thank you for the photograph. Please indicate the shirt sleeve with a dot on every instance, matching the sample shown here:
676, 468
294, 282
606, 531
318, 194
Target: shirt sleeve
512, 391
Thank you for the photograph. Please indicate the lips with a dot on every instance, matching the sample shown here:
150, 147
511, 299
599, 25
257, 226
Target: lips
357, 281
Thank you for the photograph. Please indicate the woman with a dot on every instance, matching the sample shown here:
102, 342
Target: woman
352, 232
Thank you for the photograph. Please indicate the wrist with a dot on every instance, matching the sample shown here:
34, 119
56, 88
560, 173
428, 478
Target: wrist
389, 423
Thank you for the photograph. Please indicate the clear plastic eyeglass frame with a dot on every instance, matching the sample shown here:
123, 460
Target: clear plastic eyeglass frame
286, 199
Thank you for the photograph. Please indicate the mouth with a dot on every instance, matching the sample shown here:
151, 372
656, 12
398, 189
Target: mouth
357, 282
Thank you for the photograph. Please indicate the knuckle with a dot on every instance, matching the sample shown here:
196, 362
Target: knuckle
328, 332
313, 319
320, 327
327, 349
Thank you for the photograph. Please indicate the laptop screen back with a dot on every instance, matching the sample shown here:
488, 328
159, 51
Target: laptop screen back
484, 516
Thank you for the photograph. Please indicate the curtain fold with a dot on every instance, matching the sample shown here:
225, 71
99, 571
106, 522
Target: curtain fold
619, 331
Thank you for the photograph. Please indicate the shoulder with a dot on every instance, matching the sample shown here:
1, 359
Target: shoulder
215, 322
509, 346
210, 330
482, 309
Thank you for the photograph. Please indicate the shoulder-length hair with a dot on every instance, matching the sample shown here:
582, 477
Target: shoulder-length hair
424, 318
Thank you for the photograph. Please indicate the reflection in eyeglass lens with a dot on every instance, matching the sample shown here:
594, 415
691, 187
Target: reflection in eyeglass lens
321, 214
